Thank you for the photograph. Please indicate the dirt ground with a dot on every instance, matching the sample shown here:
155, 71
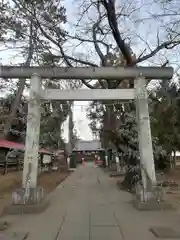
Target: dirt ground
174, 175
11, 181
172, 194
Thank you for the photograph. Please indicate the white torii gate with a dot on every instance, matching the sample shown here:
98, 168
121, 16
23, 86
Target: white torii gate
139, 93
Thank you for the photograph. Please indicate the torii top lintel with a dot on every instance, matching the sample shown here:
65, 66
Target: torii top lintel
108, 73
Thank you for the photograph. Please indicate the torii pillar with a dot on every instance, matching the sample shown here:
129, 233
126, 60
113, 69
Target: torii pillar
144, 135
30, 170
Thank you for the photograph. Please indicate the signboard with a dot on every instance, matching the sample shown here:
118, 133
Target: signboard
46, 159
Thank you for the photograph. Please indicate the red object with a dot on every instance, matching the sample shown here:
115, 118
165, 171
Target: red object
99, 162
20, 146
11, 145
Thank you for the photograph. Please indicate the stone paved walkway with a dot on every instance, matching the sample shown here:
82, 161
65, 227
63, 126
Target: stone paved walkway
88, 206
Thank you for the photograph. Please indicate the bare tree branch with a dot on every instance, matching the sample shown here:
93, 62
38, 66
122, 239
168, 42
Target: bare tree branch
165, 45
76, 37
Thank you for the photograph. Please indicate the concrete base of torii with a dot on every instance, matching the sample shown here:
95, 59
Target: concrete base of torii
151, 205
35, 203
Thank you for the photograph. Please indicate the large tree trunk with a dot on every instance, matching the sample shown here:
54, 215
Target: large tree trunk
16, 103
14, 107
132, 176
